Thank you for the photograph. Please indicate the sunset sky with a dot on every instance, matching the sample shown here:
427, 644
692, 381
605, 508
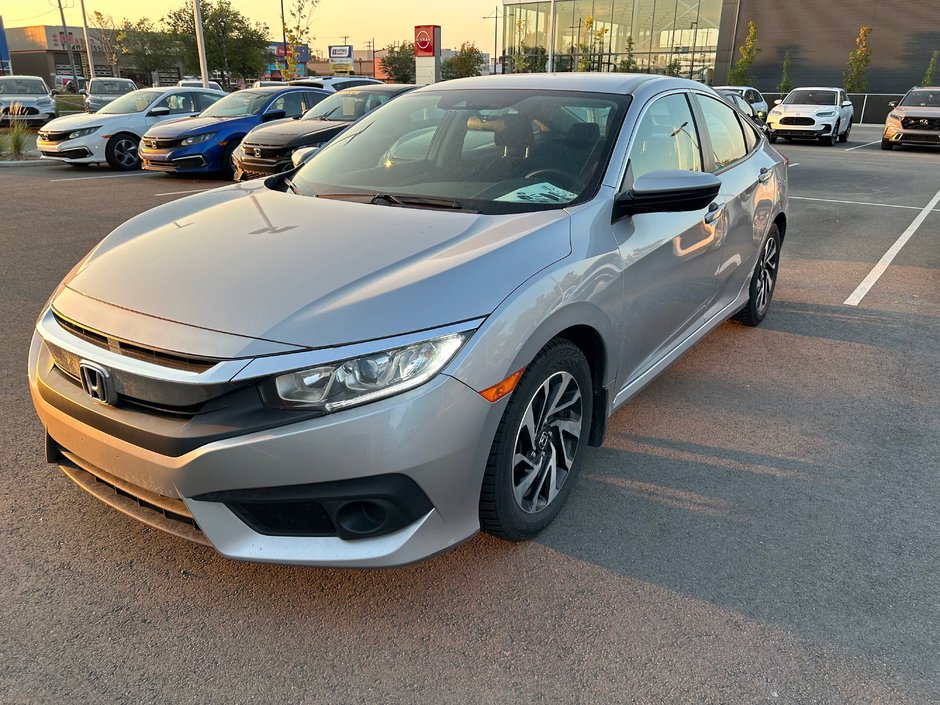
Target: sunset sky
385, 21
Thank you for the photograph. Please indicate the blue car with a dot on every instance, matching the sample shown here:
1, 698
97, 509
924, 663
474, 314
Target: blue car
204, 143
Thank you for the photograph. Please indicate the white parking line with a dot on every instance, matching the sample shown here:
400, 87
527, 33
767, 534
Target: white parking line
852, 203
177, 193
106, 176
879, 269
862, 145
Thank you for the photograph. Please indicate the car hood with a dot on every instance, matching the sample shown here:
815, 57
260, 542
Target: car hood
27, 101
245, 260
80, 120
916, 111
194, 125
284, 132
803, 109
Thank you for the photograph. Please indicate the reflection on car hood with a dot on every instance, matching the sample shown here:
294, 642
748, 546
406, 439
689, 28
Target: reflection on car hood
917, 111
315, 272
803, 109
284, 131
189, 125
80, 120
27, 101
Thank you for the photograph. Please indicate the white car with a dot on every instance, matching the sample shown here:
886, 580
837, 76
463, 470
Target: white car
335, 83
197, 83
27, 99
825, 114
113, 133
753, 96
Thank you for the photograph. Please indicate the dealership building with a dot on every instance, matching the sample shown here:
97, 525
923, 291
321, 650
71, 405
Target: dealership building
701, 38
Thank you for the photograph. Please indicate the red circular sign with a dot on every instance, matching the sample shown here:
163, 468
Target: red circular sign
423, 40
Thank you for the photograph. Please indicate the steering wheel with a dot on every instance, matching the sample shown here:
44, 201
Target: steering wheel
558, 177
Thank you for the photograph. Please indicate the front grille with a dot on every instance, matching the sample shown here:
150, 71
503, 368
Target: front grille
138, 352
794, 120
155, 143
261, 152
20, 110
79, 153
921, 123
53, 136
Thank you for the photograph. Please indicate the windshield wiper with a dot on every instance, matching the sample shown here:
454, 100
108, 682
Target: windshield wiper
400, 200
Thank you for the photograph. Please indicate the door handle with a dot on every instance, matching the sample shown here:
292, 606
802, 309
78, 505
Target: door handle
765, 174
714, 213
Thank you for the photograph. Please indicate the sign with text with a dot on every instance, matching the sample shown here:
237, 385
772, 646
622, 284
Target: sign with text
426, 40
341, 54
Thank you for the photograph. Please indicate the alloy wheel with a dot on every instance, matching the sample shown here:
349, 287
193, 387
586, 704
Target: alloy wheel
767, 275
547, 442
125, 151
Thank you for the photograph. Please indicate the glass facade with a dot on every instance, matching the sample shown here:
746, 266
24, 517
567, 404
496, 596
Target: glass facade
675, 37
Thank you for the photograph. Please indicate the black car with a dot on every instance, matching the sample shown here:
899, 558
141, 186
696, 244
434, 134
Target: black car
267, 149
737, 101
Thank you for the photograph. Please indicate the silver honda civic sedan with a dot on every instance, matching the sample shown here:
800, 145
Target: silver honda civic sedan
417, 334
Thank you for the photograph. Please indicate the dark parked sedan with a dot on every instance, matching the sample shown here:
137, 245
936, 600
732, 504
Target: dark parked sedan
267, 149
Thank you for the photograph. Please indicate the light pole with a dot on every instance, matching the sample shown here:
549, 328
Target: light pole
694, 27
227, 79
68, 45
495, 17
200, 44
91, 61
551, 37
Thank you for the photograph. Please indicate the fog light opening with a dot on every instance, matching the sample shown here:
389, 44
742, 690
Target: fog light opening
361, 517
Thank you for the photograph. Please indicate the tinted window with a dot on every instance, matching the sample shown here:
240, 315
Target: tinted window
810, 97
22, 86
922, 99
666, 138
290, 103
204, 100
725, 131
311, 98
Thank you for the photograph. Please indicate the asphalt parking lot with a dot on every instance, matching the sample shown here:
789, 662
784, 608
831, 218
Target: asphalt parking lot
760, 526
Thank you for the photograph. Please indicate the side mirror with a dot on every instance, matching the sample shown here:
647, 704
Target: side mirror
83, 92
778, 101
893, 104
303, 155
159, 112
847, 104
667, 191
274, 115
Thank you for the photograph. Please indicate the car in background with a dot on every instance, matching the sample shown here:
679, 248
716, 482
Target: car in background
824, 114
26, 99
102, 91
336, 83
66, 84
267, 148
751, 95
265, 84
112, 134
737, 101
361, 364
197, 83
915, 119
205, 143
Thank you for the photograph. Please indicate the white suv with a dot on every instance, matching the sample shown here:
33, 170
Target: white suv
825, 114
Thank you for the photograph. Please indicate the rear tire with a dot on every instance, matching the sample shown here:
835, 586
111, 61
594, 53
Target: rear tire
763, 280
121, 152
844, 137
539, 445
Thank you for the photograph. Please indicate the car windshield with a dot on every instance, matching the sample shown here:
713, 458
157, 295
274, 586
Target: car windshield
22, 86
807, 97
492, 151
241, 104
133, 102
922, 99
347, 105
104, 86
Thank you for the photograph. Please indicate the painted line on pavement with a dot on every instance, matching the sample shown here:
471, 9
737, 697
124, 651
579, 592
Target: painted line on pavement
879, 269
106, 176
177, 193
853, 203
869, 144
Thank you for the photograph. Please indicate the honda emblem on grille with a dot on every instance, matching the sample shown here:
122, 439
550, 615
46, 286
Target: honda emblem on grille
97, 382
925, 122
258, 152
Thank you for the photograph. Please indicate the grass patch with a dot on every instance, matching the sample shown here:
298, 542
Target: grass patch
69, 104
13, 140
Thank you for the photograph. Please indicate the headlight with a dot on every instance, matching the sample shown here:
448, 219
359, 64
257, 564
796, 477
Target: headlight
83, 132
776, 111
826, 113
196, 139
895, 116
364, 379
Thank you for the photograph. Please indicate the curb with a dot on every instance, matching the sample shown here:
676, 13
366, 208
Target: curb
25, 162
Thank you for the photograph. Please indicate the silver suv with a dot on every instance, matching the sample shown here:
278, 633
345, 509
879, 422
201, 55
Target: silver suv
915, 119
366, 361
102, 91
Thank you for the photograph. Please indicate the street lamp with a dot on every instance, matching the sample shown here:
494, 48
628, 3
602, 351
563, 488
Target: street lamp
495, 18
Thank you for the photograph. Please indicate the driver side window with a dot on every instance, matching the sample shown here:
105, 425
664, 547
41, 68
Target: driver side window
178, 103
666, 138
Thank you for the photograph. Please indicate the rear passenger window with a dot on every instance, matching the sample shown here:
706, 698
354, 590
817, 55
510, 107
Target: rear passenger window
726, 134
666, 138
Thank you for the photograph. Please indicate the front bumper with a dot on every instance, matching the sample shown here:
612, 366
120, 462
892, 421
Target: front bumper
817, 129
84, 150
903, 135
198, 158
248, 166
437, 436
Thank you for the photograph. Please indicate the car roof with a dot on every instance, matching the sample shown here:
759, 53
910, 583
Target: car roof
36, 78
817, 88
735, 88
380, 88
623, 83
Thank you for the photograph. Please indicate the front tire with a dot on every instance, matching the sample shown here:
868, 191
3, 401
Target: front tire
763, 280
539, 445
227, 161
831, 139
121, 152
772, 137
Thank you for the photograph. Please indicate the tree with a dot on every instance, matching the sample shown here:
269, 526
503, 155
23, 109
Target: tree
740, 74
108, 37
855, 80
297, 33
674, 67
246, 44
468, 61
931, 68
147, 48
785, 85
628, 63
399, 62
